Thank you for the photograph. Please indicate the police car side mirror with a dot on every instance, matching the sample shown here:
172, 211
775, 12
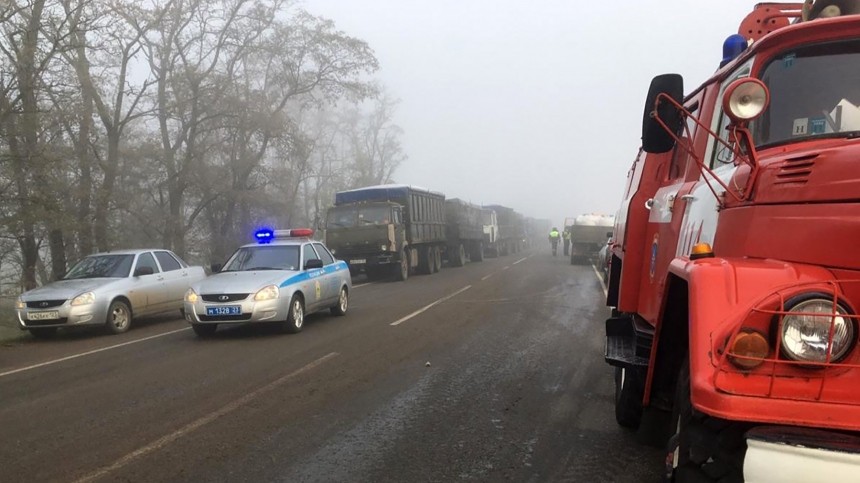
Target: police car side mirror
215, 267
314, 263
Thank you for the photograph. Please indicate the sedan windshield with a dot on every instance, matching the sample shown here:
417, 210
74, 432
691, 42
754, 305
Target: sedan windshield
264, 257
814, 92
111, 266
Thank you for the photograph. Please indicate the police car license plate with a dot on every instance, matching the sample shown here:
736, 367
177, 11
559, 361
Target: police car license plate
53, 314
358, 261
225, 310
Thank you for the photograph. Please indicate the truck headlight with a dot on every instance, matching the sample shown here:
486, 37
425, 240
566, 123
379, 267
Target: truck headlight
20, 304
384, 248
85, 298
267, 293
191, 296
805, 334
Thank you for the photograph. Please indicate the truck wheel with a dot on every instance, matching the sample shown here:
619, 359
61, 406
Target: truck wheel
478, 252
437, 259
629, 385
458, 256
401, 270
703, 448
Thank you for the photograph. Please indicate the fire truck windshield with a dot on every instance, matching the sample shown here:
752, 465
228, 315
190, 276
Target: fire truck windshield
814, 92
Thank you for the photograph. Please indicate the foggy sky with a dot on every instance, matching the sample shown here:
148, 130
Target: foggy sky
532, 104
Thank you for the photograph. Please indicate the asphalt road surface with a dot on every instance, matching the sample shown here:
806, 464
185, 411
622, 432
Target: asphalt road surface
489, 372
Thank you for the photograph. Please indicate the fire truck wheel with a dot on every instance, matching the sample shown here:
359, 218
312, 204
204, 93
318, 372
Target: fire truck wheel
629, 384
704, 448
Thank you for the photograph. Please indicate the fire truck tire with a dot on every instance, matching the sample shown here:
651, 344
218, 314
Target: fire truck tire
708, 449
629, 385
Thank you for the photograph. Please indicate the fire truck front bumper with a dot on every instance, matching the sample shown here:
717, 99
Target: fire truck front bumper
789, 454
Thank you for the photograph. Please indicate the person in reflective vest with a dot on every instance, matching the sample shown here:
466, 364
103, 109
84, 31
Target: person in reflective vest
553, 240
565, 235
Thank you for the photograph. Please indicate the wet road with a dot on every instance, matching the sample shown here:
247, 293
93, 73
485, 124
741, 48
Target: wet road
501, 378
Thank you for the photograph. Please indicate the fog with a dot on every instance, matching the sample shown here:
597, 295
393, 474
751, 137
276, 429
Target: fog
536, 105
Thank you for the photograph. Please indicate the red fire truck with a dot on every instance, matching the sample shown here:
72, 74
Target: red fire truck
735, 268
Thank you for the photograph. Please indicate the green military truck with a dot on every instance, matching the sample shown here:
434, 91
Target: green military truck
388, 230
588, 235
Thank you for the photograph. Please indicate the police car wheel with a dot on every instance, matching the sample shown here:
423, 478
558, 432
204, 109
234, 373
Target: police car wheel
295, 316
342, 303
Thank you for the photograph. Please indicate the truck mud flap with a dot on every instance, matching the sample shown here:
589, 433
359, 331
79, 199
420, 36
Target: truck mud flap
628, 341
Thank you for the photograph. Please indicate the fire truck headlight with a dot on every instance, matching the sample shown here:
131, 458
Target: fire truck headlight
806, 331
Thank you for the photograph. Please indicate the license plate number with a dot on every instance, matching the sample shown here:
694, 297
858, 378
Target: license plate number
358, 261
53, 314
225, 310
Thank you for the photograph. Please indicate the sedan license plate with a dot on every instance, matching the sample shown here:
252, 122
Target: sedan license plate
49, 315
358, 261
225, 310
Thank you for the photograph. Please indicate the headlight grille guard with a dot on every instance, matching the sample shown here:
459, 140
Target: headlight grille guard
779, 377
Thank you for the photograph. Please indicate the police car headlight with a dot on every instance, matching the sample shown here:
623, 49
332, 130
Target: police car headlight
85, 298
19, 304
191, 296
805, 333
267, 293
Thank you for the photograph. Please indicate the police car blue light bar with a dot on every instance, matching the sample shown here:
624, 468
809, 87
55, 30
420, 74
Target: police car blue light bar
266, 235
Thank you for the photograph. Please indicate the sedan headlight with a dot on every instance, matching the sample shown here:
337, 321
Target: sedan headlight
20, 304
85, 298
267, 293
805, 337
191, 296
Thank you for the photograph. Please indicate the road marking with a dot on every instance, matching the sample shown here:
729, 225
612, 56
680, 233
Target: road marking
82, 354
428, 307
506, 268
362, 285
165, 440
487, 276
602, 283
522, 260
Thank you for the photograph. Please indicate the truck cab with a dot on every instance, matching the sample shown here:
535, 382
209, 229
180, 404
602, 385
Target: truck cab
365, 234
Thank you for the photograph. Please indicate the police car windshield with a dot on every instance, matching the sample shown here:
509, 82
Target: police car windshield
814, 93
109, 266
264, 257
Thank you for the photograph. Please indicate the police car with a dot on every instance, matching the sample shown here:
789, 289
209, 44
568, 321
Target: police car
279, 279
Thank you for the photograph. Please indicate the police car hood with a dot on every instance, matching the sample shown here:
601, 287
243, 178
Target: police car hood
66, 289
242, 282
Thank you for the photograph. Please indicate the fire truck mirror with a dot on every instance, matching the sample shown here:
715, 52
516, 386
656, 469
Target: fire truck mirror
655, 139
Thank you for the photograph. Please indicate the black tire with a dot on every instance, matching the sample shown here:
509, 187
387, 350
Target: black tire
477, 252
43, 332
204, 330
342, 304
295, 316
437, 259
629, 386
401, 270
118, 317
457, 256
707, 449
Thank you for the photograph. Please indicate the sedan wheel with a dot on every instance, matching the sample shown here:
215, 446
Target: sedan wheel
295, 317
118, 317
342, 303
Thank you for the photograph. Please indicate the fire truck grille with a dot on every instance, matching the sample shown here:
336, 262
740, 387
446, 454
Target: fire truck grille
796, 170
776, 376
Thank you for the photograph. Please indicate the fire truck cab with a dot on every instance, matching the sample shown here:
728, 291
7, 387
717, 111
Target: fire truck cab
735, 270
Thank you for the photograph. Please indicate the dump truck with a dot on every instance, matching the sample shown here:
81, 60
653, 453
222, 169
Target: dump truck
588, 234
388, 230
508, 230
734, 278
465, 233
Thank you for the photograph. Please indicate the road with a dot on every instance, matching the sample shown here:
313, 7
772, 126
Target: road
489, 372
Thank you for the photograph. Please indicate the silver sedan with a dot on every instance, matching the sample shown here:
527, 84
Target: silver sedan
108, 289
